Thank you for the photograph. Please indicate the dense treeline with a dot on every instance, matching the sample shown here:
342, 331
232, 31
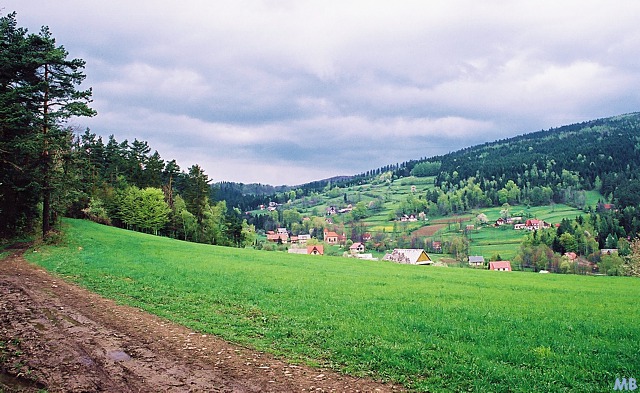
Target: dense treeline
128, 186
248, 196
597, 152
48, 169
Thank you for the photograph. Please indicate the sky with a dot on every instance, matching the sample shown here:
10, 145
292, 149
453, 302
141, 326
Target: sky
288, 92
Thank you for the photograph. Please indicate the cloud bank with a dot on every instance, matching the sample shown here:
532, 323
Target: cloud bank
286, 92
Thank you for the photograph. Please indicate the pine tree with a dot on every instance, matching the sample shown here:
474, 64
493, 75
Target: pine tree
196, 196
40, 93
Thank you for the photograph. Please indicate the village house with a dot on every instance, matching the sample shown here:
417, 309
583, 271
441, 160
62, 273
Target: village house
346, 209
532, 225
331, 237
509, 221
278, 237
309, 250
603, 207
476, 260
315, 250
501, 266
356, 248
437, 246
302, 239
410, 256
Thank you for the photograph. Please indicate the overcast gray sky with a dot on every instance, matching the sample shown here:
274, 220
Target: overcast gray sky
286, 92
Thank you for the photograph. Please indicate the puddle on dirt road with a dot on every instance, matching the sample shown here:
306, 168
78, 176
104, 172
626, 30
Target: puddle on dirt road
118, 356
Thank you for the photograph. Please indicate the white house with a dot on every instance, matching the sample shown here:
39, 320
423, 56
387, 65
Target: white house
410, 256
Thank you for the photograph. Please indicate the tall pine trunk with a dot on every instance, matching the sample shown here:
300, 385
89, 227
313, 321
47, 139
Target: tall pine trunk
46, 160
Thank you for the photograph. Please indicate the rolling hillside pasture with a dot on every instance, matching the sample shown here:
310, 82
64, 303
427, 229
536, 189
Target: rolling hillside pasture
430, 328
504, 241
488, 241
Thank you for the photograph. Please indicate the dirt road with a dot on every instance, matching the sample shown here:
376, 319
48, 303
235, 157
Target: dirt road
62, 338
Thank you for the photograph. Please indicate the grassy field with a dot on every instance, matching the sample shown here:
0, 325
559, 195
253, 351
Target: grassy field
505, 241
430, 328
488, 241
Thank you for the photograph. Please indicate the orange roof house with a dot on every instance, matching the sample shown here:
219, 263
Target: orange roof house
315, 250
331, 237
277, 237
503, 266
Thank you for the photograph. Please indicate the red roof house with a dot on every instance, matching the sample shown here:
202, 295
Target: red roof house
331, 237
503, 266
315, 250
357, 248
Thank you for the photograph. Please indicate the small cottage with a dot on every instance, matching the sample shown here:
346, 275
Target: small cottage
501, 266
476, 260
356, 248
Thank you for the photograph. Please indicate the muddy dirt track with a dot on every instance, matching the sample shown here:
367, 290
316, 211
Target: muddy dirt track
62, 338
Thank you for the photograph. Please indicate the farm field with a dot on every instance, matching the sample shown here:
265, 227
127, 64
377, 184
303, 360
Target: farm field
429, 328
504, 241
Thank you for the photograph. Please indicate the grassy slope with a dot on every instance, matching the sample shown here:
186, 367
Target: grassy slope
487, 241
434, 329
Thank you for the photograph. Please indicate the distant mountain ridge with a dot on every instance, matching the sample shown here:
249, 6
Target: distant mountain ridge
592, 149
600, 152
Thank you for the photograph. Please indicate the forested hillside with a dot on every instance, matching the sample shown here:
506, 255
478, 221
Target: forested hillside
601, 154
547, 165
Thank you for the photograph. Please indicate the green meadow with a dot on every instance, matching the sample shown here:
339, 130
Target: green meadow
429, 328
504, 241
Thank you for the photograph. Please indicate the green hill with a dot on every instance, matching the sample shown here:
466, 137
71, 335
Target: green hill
432, 329
553, 175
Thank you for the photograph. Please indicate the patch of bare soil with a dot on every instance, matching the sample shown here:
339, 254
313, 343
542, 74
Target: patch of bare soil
429, 230
62, 338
